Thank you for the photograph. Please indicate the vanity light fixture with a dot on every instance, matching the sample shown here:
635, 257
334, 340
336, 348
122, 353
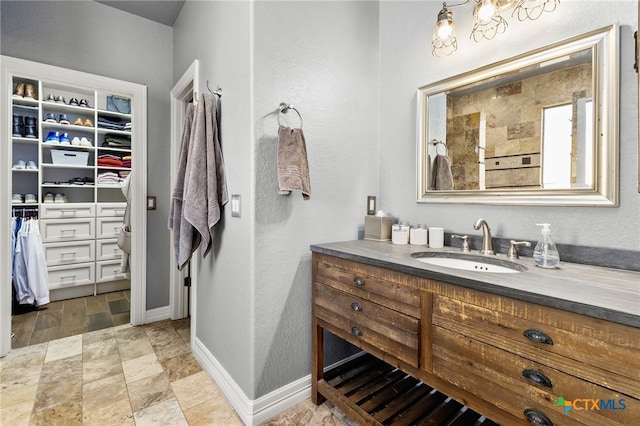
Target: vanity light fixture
487, 20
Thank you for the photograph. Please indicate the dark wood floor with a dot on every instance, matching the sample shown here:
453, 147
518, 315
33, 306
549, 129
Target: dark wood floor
70, 317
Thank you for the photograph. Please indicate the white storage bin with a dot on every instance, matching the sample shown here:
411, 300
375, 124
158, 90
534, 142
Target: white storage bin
69, 158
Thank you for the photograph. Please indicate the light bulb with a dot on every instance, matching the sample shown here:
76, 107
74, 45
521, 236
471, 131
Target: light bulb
486, 9
444, 29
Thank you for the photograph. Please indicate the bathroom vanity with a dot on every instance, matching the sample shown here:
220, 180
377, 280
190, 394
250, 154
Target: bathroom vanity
536, 347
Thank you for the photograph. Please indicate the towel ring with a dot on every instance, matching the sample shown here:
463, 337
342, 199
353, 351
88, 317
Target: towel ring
437, 144
283, 108
218, 91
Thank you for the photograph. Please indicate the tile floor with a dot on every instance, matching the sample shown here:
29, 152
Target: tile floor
124, 375
66, 318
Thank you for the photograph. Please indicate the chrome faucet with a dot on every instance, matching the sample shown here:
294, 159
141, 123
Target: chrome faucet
487, 246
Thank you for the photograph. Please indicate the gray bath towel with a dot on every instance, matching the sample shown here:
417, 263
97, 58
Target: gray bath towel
205, 185
441, 178
293, 166
185, 239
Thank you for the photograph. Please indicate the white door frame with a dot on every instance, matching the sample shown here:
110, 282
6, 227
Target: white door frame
183, 92
12, 66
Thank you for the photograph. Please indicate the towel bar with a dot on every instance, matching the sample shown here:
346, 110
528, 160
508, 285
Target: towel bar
283, 108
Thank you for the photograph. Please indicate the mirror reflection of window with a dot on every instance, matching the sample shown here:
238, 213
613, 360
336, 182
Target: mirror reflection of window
556, 147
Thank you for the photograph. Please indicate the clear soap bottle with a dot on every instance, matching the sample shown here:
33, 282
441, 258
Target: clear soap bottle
545, 253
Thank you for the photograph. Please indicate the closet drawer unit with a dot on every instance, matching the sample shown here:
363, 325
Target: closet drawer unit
67, 230
108, 249
67, 210
71, 275
368, 282
71, 252
521, 384
109, 271
359, 320
110, 209
108, 227
605, 352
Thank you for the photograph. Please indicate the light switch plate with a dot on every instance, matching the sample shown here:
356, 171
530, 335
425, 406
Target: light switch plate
236, 201
151, 203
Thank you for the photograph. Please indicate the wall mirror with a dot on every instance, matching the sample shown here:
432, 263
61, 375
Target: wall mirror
537, 129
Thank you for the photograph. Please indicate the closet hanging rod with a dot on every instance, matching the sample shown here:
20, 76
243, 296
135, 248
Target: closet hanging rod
284, 107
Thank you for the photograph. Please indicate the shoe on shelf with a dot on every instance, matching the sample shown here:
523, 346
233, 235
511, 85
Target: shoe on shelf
60, 198
88, 123
60, 99
75, 141
53, 137
78, 122
50, 98
30, 132
19, 91
63, 119
85, 142
20, 165
84, 103
30, 198
30, 92
64, 139
73, 102
50, 118
31, 165
16, 199
18, 126
49, 197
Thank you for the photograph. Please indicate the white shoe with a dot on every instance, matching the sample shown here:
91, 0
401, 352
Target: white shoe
85, 142
75, 141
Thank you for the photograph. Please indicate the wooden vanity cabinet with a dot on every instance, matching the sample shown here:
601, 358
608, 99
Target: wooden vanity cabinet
510, 360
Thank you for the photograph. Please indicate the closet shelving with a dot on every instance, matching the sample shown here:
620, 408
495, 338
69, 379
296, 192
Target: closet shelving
79, 234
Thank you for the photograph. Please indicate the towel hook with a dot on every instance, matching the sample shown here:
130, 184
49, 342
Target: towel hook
283, 108
437, 144
218, 91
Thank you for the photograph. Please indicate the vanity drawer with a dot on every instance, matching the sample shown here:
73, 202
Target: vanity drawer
359, 319
58, 230
378, 285
71, 275
70, 252
67, 210
605, 352
498, 375
108, 227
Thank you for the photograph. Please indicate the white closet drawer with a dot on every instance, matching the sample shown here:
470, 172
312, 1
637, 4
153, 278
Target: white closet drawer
108, 249
67, 210
108, 227
109, 271
71, 252
67, 230
111, 209
71, 275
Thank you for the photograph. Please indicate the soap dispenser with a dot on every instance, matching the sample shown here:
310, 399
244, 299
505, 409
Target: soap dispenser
546, 254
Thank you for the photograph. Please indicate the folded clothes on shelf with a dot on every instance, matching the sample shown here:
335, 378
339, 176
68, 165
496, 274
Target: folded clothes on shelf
117, 141
109, 178
112, 123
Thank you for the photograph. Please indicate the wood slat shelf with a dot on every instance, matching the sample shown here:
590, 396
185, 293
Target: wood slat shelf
379, 394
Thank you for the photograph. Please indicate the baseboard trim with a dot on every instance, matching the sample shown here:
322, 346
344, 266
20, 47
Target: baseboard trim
258, 411
157, 314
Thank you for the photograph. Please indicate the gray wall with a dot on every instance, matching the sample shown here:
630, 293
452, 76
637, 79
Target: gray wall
253, 308
407, 63
90, 37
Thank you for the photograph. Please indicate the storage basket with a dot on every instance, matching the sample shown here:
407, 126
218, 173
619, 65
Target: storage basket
69, 158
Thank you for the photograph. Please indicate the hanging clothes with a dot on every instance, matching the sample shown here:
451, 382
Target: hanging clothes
201, 189
29, 269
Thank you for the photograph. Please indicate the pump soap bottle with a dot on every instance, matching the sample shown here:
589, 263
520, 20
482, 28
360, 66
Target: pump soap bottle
546, 254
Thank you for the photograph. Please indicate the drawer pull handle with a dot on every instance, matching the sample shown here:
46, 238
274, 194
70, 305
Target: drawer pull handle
537, 417
537, 378
356, 331
358, 281
356, 307
538, 336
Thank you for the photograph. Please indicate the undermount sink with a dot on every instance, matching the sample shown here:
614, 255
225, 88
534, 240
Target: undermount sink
469, 262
